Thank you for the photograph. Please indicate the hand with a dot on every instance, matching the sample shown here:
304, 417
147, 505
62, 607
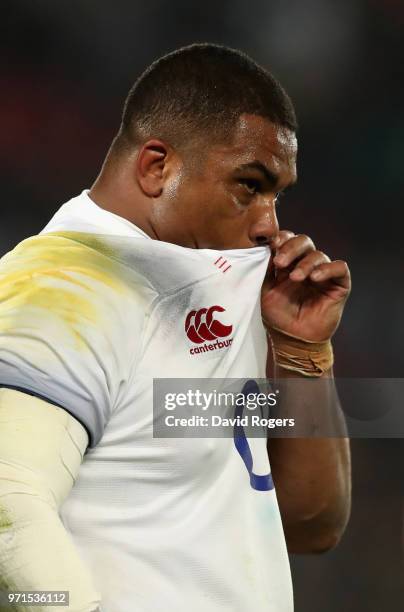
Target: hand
304, 293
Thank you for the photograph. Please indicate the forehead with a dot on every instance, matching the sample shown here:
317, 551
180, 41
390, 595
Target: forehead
254, 131
258, 139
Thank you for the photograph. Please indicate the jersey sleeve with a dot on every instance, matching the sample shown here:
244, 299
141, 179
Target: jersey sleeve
64, 316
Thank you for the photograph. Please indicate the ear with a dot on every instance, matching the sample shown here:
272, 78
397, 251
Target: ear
150, 165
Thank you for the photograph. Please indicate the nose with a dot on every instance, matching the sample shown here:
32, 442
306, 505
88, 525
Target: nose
264, 225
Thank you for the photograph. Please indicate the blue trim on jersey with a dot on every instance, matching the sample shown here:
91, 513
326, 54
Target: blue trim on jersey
259, 482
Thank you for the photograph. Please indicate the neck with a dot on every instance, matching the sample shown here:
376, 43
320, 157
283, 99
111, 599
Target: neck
114, 191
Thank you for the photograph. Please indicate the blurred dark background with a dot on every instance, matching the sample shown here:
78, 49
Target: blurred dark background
67, 67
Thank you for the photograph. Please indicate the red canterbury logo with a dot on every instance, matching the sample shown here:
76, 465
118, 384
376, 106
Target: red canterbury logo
200, 325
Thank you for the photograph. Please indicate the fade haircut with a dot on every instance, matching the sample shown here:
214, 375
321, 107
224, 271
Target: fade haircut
199, 92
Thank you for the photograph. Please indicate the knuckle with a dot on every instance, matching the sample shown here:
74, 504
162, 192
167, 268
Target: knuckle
288, 237
323, 257
342, 263
307, 240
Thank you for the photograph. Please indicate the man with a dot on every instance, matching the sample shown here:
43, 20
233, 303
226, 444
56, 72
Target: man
175, 246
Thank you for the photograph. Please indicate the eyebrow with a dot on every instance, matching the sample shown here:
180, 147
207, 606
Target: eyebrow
270, 176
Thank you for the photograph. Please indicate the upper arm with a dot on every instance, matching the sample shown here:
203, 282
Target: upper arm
43, 439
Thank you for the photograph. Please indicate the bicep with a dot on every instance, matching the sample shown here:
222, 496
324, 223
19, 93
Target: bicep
42, 438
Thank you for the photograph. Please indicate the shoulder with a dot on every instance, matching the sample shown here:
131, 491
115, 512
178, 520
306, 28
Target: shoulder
58, 294
70, 270
71, 319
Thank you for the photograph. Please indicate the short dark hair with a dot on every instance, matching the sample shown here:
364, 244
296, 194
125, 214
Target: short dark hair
201, 90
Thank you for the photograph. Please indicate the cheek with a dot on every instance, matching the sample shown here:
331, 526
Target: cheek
199, 199
209, 209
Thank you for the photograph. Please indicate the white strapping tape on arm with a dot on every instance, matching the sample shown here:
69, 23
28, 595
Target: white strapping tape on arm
41, 449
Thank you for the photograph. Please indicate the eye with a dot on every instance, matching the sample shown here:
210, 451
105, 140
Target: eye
253, 186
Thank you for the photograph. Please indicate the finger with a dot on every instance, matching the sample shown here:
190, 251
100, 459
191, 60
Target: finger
281, 237
293, 249
306, 265
277, 241
338, 271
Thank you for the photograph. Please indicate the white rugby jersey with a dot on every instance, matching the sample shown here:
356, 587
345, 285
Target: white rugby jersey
91, 310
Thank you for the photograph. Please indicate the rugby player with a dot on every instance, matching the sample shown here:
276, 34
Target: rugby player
171, 266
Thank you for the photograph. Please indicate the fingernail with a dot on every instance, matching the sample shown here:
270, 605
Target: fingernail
316, 274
